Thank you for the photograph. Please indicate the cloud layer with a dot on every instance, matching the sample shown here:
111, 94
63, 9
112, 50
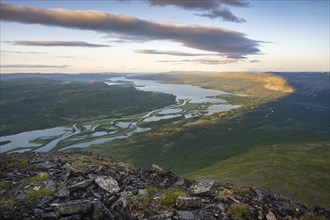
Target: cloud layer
57, 44
173, 53
201, 61
207, 38
20, 52
211, 8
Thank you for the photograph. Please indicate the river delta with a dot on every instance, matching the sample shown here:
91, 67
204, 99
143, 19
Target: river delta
191, 101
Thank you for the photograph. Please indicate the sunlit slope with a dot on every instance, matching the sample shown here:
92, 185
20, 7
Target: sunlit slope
239, 83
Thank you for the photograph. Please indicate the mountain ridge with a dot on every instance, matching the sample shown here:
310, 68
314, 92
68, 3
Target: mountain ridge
82, 185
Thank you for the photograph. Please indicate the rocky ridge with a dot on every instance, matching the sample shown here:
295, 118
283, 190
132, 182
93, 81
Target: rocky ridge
81, 185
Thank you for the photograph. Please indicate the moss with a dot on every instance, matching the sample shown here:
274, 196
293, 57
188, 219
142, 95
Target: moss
42, 176
237, 209
311, 216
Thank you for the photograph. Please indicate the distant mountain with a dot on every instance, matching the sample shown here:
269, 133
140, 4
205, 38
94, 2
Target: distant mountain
308, 83
83, 77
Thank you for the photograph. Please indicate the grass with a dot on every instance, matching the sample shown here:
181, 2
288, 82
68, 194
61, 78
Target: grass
34, 194
42, 176
237, 210
298, 170
169, 196
156, 199
241, 191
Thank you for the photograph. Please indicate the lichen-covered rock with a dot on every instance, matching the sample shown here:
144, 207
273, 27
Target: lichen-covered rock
107, 183
202, 188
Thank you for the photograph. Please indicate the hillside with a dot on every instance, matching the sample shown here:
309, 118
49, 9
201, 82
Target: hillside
86, 186
291, 122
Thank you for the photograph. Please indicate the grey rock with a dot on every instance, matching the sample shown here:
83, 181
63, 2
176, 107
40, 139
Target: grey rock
44, 200
202, 188
72, 217
47, 164
218, 207
51, 185
101, 212
188, 202
38, 211
142, 192
185, 215
50, 215
157, 168
62, 193
120, 205
107, 183
80, 185
66, 166
163, 216
73, 206
179, 183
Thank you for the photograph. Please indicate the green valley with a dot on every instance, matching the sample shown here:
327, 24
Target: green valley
277, 136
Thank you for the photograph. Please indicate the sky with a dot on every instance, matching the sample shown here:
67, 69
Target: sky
152, 36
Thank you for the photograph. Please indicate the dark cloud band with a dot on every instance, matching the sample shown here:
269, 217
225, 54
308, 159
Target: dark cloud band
210, 8
172, 53
207, 38
201, 61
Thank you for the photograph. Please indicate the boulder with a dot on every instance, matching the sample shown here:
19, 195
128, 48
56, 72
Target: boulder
48, 164
107, 183
62, 193
203, 188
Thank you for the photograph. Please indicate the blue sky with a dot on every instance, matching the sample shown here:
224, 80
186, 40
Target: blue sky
277, 36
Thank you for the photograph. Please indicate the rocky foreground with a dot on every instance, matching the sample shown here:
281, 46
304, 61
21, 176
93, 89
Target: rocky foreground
81, 185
